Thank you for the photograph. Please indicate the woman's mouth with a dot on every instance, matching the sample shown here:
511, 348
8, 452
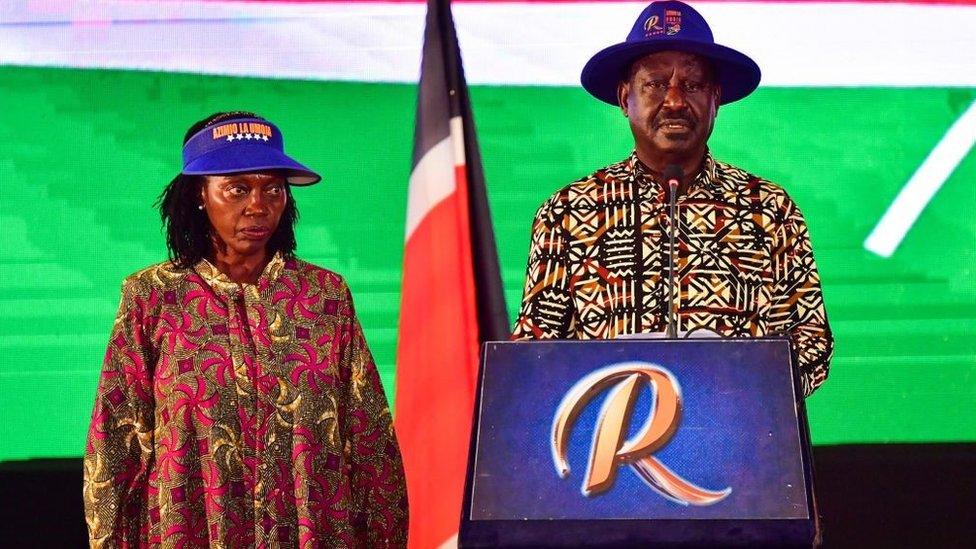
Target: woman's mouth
256, 233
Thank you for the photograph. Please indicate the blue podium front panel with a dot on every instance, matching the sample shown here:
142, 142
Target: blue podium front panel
638, 430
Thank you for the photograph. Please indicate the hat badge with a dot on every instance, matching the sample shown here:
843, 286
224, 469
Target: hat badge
672, 22
651, 26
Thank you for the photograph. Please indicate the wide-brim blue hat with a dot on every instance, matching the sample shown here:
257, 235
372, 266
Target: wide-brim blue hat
241, 145
670, 26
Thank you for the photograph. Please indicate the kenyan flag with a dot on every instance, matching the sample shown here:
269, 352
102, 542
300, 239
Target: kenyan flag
865, 115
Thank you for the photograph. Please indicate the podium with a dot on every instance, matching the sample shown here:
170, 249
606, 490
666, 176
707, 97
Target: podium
623, 443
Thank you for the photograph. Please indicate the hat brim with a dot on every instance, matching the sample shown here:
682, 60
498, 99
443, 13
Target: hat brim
251, 157
737, 74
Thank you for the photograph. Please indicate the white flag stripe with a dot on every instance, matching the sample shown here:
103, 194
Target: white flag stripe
450, 543
433, 178
927, 180
431, 182
796, 44
457, 138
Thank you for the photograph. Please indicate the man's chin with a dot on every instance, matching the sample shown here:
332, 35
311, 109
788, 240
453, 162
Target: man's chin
672, 137
674, 144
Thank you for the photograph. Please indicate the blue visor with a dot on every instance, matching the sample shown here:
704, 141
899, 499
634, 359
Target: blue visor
242, 145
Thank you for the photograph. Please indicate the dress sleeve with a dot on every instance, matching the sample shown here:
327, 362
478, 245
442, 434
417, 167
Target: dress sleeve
547, 310
119, 444
797, 303
379, 493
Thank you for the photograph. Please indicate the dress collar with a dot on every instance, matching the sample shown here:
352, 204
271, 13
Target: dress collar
218, 280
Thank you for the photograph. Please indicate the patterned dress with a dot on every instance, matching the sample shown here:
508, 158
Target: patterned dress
240, 415
599, 256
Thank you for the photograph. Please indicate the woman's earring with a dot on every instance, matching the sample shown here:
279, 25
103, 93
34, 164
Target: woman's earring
200, 207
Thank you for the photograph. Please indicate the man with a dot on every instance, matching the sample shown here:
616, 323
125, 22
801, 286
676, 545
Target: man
601, 263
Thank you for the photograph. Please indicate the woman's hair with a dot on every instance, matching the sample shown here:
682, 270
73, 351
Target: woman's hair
188, 231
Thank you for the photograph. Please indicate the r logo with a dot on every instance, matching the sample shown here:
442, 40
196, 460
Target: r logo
651, 26
610, 449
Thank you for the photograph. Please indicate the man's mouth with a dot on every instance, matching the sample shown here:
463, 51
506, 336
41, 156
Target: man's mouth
675, 124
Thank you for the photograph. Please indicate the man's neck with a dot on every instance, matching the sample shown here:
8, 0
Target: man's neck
690, 165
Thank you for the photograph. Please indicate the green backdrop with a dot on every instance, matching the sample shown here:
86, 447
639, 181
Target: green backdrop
86, 153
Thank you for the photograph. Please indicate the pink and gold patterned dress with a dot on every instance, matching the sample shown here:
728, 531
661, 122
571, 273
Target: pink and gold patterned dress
241, 415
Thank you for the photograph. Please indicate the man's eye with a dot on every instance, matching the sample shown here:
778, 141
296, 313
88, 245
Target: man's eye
694, 87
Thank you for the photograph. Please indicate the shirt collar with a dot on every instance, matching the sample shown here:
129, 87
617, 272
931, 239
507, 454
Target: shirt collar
218, 280
645, 176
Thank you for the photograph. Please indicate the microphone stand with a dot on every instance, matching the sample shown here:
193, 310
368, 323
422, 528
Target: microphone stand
673, 175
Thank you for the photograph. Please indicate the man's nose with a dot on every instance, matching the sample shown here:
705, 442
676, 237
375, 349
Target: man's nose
675, 98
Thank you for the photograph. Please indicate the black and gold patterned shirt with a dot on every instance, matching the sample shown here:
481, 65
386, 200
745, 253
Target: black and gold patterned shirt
598, 262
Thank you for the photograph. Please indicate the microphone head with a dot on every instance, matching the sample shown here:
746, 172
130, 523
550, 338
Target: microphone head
672, 172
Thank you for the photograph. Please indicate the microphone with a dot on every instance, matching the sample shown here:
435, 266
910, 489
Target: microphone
673, 176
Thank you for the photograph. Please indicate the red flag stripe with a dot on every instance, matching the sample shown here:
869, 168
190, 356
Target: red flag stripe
437, 350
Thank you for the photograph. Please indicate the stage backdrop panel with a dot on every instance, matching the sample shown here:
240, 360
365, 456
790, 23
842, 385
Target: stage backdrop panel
861, 103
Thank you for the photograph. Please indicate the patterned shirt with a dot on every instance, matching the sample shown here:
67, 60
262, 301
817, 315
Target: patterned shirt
599, 262
241, 415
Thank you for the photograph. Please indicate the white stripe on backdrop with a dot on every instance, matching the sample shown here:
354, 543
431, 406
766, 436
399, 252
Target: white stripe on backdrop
796, 44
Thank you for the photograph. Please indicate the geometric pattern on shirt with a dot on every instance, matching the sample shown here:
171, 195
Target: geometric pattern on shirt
744, 266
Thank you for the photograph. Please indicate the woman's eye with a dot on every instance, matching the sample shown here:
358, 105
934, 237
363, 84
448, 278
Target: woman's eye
275, 189
237, 191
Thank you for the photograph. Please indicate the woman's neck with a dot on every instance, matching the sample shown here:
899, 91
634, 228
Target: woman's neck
243, 269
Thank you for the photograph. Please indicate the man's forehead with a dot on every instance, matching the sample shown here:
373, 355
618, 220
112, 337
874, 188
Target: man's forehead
669, 59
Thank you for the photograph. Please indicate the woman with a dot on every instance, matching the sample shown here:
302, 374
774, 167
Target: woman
238, 404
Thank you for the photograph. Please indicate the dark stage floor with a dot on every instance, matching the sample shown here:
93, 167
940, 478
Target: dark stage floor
896, 495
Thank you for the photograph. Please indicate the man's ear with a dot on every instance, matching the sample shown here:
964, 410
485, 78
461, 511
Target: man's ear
623, 94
